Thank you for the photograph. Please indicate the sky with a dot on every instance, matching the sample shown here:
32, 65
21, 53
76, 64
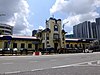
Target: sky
28, 15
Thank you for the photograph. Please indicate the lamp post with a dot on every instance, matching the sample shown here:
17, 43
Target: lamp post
64, 24
64, 32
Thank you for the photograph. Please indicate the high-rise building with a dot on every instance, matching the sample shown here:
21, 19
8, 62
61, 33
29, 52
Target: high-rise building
94, 30
98, 27
87, 29
83, 30
6, 29
69, 36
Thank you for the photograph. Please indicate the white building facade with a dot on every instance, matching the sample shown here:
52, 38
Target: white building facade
6, 29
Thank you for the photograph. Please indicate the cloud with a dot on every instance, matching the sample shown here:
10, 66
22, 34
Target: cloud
16, 14
71, 32
77, 10
41, 27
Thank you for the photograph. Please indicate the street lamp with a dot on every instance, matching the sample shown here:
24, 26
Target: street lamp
64, 24
63, 32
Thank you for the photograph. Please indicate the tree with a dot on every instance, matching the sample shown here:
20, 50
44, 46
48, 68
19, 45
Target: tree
1, 32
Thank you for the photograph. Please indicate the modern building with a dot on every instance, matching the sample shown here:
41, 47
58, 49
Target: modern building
98, 27
69, 36
94, 30
6, 29
83, 30
87, 29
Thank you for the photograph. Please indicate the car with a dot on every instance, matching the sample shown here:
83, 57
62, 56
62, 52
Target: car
88, 51
1, 50
23, 51
15, 51
7, 50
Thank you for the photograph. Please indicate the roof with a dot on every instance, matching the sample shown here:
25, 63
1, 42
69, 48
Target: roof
27, 37
72, 39
79, 40
8, 37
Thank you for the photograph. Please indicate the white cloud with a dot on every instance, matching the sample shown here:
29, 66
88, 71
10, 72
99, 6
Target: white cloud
72, 20
16, 14
71, 32
78, 10
75, 6
41, 27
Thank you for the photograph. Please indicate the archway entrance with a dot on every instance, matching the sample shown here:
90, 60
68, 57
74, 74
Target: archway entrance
55, 46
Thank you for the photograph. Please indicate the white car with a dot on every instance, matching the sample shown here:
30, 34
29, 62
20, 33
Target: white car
1, 49
15, 49
88, 51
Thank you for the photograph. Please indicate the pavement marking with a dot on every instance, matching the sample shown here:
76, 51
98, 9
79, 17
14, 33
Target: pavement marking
12, 72
8, 63
89, 63
53, 60
33, 61
38, 69
98, 62
79, 64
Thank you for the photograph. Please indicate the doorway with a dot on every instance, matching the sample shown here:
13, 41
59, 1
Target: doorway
6, 45
55, 46
36, 46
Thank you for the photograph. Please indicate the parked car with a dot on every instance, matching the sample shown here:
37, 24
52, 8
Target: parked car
15, 51
88, 51
7, 51
23, 51
49, 49
1, 50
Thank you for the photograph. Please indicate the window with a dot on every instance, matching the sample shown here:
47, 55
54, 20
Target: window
71, 45
47, 42
55, 28
62, 38
14, 45
22, 45
48, 45
56, 36
76, 45
67, 45
80, 46
47, 36
29, 45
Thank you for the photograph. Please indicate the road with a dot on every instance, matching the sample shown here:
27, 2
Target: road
65, 64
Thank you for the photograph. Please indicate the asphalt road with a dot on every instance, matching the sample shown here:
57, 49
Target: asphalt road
66, 64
